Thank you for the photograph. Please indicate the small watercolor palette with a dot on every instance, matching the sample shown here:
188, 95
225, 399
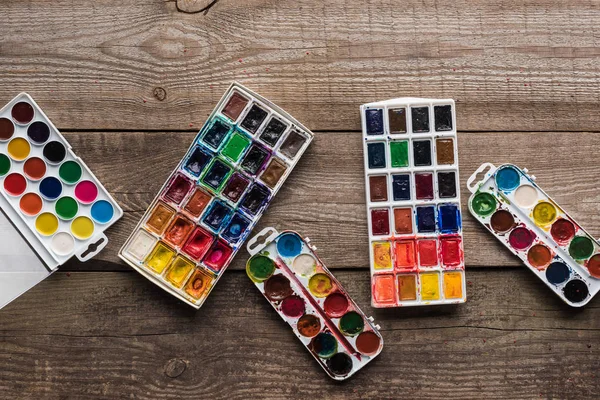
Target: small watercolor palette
509, 203
413, 202
287, 271
49, 195
216, 195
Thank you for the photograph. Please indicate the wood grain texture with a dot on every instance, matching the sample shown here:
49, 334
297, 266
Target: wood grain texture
324, 197
115, 335
144, 64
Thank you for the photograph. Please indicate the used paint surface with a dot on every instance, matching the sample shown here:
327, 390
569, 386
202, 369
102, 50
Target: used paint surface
422, 153
178, 271
218, 255
178, 231
405, 254
430, 286
274, 172
382, 255
407, 287
576, 290
235, 106
507, 178
277, 287
160, 218
374, 121
562, 231
273, 132
399, 153
526, 196
521, 238
581, 248
292, 144
400, 187
380, 221
197, 202
424, 186
368, 343
260, 268
539, 256
445, 151
453, 285
484, 204
384, 288
293, 306
427, 250
446, 184
378, 190
304, 264
309, 325
198, 284
352, 323
403, 220
335, 305
140, 245
178, 189
544, 213
502, 221
320, 285
198, 243
160, 257
397, 120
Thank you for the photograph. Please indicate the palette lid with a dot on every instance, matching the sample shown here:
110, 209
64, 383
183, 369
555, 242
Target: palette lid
21, 268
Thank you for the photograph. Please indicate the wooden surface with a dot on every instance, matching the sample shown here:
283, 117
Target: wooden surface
130, 82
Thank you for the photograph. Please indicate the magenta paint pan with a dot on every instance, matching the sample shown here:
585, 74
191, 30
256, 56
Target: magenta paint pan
294, 280
510, 204
208, 206
413, 202
47, 219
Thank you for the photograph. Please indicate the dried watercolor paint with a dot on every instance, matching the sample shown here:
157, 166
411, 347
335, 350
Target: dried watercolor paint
509, 203
285, 268
413, 202
208, 206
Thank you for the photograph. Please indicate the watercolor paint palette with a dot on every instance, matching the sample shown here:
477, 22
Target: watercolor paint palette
509, 203
294, 280
413, 202
216, 195
50, 198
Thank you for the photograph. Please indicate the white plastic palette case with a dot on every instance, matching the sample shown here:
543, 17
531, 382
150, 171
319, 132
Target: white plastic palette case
293, 279
413, 202
53, 207
510, 204
213, 199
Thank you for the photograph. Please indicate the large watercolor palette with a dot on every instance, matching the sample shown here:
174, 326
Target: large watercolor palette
413, 202
287, 271
48, 193
216, 195
509, 203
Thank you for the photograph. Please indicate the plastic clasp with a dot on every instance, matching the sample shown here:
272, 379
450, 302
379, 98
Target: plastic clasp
473, 183
259, 241
96, 245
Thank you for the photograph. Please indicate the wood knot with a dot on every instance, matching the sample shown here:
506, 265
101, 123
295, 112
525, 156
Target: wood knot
175, 367
160, 93
195, 6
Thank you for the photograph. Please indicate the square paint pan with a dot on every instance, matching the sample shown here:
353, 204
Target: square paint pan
208, 206
413, 202
53, 206
509, 203
294, 280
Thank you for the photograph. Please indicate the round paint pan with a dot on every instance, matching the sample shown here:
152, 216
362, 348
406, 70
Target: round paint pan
50, 188
351, 323
484, 204
15, 184
368, 343
82, 228
102, 211
46, 224
293, 306
309, 325
86, 192
38, 132
31, 204
593, 266
22, 113
277, 288
562, 231
521, 238
544, 213
581, 248
320, 285
304, 264
525, 196
539, 256
324, 345
507, 178
557, 273
62, 244
54, 152
18, 149
7, 129
66, 208
34, 168
502, 221
70, 172
4, 164
576, 291
340, 364
289, 245
260, 268
335, 305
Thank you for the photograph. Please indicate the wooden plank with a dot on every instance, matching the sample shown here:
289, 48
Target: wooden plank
101, 335
324, 197
511, 65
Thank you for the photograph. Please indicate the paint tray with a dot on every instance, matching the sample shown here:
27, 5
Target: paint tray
509, 203
288, 272
53, 207
216, 195
413, 202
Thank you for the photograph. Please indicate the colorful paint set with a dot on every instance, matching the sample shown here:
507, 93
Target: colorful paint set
213, 199
53, 201
529, 223
287, 271
413, 202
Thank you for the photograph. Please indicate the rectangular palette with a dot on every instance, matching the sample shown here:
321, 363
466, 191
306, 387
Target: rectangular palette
288, 272
509, 203
216, 195
49, 197
413, 202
